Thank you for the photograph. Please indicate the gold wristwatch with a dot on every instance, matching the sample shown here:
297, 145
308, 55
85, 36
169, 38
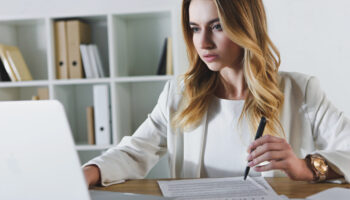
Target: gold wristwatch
318, 166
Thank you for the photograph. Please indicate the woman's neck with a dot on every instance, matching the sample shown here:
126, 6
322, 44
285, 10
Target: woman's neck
232, 84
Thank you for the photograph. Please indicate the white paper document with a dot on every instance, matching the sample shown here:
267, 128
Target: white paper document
233, 188
262, 182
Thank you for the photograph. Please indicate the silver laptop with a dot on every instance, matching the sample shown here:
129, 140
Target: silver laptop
38, 158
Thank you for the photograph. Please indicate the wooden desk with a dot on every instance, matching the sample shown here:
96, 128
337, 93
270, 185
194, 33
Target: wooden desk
292, 189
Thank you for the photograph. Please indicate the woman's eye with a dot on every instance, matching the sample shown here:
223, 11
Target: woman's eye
217, 27
194, 29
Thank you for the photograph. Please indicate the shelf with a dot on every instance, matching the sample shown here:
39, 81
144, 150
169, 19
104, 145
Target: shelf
18, 93
143, 78
86, 81
139, 41
81, 81
130, 45
99, 36
134, 101
30, 37
23, 84
75, 99
92, 147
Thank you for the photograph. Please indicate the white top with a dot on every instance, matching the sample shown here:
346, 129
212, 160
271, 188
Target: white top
226, 142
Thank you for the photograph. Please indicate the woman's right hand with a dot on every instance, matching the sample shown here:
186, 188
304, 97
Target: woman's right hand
92, 175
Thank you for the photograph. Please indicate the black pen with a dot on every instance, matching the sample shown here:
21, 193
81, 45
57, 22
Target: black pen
259, 133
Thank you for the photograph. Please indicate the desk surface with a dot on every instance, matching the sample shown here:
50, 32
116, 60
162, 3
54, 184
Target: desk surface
292, 189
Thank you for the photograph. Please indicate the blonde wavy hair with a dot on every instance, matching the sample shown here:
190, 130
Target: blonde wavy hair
244, 22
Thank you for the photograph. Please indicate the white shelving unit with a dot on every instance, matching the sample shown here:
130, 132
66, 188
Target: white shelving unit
130, 45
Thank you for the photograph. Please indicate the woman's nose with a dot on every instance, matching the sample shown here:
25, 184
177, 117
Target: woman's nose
205, 41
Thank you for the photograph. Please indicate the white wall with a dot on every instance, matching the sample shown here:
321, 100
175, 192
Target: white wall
313, 38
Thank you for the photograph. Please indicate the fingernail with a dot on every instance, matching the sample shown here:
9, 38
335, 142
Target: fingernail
249, 157
250, 164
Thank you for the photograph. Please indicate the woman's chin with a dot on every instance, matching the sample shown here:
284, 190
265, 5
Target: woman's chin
214, 67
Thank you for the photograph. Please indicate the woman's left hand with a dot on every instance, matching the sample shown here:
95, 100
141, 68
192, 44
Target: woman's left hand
280, 155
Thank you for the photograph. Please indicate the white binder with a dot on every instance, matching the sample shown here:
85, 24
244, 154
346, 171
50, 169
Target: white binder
97, 59
93, 61
102, 115
87, 65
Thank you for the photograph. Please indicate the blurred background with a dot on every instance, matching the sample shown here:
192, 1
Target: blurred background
312, 36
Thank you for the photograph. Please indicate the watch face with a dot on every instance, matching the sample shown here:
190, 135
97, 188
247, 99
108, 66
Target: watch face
320, 165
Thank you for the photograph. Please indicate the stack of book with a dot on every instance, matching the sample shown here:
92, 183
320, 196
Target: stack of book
12, 65
76, 57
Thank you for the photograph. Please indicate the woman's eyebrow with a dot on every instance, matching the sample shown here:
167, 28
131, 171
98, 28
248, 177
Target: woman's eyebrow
210, 22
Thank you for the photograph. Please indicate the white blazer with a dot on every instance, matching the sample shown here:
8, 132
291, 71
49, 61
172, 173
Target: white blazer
311, 124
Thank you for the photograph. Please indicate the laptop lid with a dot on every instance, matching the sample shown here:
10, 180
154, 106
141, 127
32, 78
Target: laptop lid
37, 154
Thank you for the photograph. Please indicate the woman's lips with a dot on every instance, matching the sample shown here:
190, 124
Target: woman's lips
210, 57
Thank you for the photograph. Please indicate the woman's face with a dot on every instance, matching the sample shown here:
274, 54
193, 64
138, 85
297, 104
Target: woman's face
212, 44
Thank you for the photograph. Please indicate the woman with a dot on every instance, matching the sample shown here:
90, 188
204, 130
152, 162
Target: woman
206, 122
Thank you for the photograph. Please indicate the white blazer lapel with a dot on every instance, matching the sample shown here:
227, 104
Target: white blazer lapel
193, 149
